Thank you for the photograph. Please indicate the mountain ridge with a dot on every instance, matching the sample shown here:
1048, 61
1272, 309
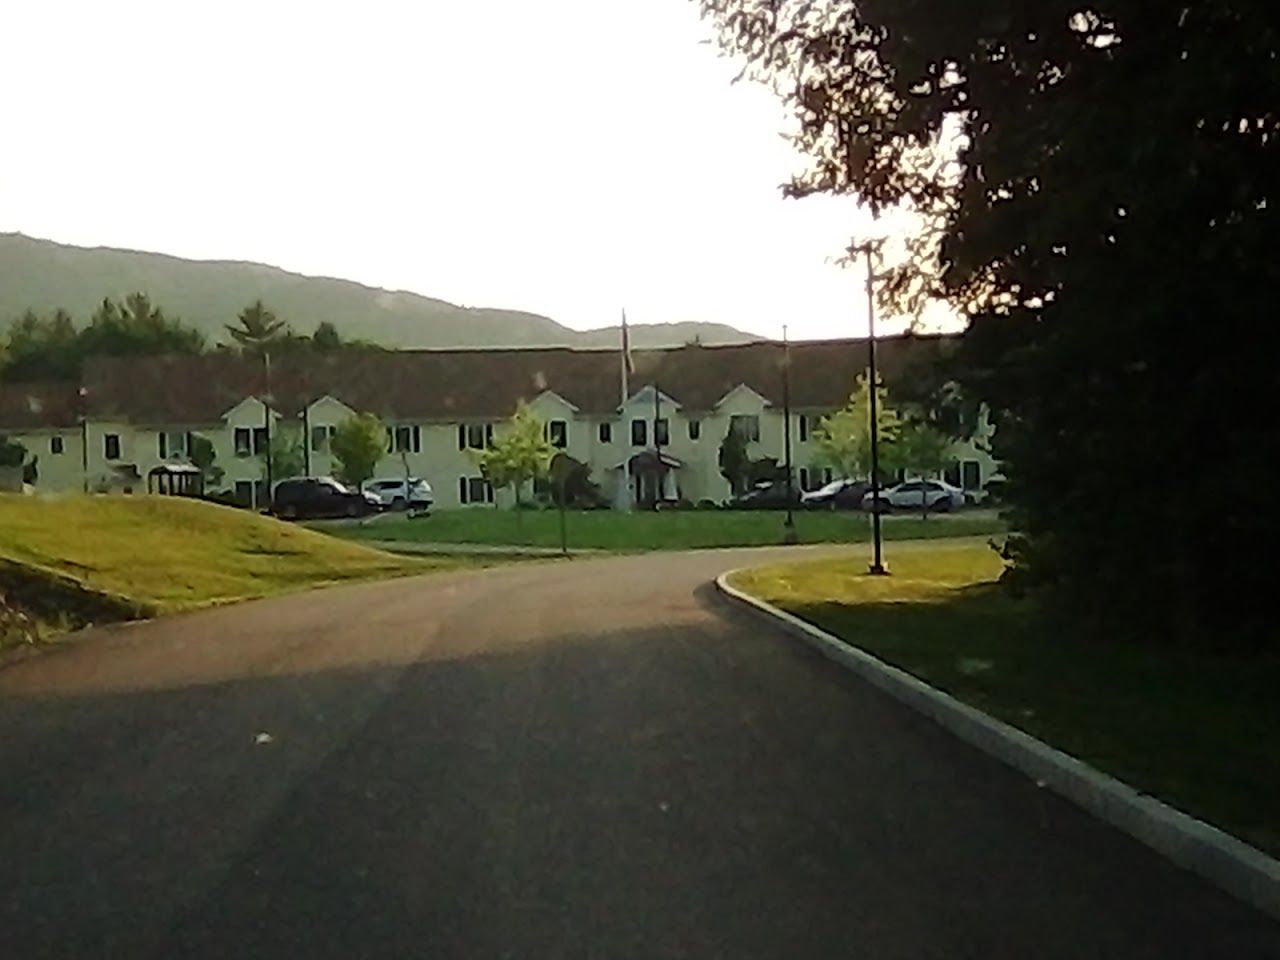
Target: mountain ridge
43, 275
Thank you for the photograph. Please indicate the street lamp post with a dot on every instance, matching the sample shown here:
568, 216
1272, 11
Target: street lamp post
877, 567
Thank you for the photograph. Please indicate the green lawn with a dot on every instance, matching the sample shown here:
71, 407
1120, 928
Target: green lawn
166, 554
665, 530
1195, 730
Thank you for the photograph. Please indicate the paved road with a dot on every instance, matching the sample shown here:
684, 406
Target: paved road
591, 759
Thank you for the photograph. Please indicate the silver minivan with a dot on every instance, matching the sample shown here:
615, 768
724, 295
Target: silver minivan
399, 493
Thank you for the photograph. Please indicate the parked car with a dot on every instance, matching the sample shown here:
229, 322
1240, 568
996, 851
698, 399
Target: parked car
843, 494
935, 495
318, 497
767, 495
397, 493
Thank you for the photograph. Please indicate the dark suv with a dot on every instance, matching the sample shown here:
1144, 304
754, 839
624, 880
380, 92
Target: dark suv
314, 497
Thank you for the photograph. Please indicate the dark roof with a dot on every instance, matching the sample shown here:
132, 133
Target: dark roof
445, 385
37, 405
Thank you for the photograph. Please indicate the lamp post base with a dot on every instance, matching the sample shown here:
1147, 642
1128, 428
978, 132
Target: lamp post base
789, 536
878, 570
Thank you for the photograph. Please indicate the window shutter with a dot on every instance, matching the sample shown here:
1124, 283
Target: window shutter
162, 440
462, 436
462, 489
417, 439
488, 435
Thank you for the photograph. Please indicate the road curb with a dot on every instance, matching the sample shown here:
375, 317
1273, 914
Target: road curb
1217, 856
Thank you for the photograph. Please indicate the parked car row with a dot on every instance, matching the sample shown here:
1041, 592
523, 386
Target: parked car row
315, 498
934, 495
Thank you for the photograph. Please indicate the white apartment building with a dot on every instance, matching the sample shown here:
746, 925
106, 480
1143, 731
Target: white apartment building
441, 407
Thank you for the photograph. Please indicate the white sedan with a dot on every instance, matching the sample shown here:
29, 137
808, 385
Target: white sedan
936, 495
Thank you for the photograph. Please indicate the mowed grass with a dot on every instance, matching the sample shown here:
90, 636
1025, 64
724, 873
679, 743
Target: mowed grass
1197, 731
171, 554
663, 530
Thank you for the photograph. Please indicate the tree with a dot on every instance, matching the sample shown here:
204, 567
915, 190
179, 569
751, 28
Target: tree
326, 338
922, 449
38, 348
203, 456
288, 459
259, 329
134, 327
568, 483
51, 348
734, 461
843, 439
519, 455
358, 443
12, 452
1114, 273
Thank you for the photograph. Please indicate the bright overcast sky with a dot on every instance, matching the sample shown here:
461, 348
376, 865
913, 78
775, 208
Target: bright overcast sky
565, 156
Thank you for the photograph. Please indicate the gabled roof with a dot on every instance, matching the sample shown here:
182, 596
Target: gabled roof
741, 388
450, 385
645, 395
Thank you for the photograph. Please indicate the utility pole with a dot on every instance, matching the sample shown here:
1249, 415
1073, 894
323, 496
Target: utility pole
659, 478
789, 525
877, 567
266, 420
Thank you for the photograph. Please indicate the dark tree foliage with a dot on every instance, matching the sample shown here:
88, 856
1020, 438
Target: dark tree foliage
42, 348
569, 480
52, 348
136, 326
12, 452
326, 338
734, 461
1104, 212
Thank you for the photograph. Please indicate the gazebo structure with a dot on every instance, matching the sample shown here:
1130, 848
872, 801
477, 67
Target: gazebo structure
176, 480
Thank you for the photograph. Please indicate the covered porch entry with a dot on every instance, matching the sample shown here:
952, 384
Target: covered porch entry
652, 478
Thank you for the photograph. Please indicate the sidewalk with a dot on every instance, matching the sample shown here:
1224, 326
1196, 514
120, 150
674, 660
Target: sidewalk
414, 548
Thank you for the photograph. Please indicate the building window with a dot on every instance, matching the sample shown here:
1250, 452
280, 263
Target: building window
970, 475
804, 478
250, 440
321, 438
746, 426
407, 439
474, 490
558, 434
803, 423
606, 433
826, 476
172, 443
662, 431
111, 446
475, 436
695, 429
55, 445
244, 493
639, 433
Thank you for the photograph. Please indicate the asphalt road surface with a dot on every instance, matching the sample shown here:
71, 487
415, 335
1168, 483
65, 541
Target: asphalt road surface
593, 759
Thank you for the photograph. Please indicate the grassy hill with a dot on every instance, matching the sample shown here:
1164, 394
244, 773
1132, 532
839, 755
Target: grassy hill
43, 275
91, 559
